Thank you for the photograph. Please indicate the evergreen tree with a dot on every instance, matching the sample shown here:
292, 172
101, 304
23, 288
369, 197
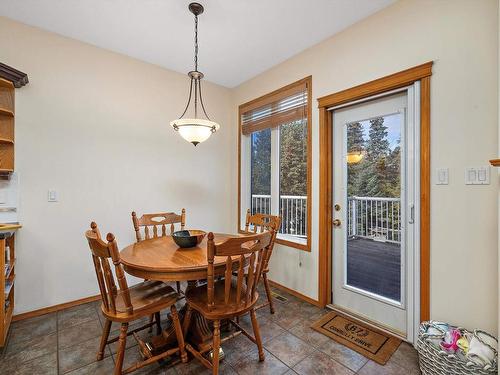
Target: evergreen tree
378, 145
372, 179
293, 158
393, 181
261, 162
355, 143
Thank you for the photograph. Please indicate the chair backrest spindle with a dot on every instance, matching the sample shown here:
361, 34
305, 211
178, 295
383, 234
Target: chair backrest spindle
157, 223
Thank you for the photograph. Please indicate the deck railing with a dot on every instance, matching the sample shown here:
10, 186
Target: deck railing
293, 210
375, 218
261, 204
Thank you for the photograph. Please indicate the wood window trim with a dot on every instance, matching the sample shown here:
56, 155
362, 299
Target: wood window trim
276, 95
421, 73
262, 100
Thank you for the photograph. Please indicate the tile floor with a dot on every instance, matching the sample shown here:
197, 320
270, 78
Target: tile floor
66, 343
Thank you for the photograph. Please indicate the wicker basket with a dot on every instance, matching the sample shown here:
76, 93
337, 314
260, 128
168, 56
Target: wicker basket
435, 361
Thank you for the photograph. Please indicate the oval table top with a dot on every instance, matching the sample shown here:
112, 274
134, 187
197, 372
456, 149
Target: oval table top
161, 259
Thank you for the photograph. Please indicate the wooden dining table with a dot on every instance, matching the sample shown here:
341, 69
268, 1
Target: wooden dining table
163, 260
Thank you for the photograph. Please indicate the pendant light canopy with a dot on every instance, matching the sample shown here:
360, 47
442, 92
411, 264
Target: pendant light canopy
195, 130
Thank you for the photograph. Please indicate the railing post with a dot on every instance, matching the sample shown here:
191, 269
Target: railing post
354, 217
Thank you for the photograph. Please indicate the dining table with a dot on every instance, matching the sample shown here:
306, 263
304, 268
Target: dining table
161, 259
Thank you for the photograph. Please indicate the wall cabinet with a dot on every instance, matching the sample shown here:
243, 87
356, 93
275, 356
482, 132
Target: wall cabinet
7, 94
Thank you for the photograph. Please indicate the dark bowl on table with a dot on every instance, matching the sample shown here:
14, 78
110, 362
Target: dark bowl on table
188, 238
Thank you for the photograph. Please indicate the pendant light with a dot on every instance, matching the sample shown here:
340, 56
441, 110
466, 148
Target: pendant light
195, 130
354, 157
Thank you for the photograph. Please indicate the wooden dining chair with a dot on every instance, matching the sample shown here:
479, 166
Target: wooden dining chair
258, 223
226, 298
155, 225
124, 304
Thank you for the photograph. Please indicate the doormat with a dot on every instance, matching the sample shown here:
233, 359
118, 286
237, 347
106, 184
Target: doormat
367, 341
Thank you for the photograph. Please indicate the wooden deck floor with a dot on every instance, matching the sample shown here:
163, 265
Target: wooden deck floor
374, 266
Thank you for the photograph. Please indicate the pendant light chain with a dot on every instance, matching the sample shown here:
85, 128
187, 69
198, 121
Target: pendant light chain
196, 42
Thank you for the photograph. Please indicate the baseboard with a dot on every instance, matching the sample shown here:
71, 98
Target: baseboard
61, 306
295, 293
81, 301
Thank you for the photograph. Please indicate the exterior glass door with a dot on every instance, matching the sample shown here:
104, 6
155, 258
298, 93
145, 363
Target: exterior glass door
370, 242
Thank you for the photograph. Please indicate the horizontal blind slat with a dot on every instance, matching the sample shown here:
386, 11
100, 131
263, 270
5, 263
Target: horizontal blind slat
286, 109
274, 97
294, 114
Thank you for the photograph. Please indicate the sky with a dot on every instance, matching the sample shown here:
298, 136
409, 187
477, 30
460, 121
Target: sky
393, 123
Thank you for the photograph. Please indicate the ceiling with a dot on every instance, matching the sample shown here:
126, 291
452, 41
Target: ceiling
238, 38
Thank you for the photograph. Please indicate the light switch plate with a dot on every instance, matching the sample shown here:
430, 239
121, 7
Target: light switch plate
442, 176
52, 196
483, 175
477, 176
470, 176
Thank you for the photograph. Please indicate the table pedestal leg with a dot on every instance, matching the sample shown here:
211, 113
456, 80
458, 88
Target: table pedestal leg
199, 332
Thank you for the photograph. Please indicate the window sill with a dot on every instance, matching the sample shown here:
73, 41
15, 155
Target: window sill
303, 245
288, 241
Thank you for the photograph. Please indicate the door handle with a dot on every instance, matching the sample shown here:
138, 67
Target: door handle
337, 223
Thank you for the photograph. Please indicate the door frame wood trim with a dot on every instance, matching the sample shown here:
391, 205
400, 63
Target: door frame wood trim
421, 73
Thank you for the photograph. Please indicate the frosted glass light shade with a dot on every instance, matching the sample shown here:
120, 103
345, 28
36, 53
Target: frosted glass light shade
195, 130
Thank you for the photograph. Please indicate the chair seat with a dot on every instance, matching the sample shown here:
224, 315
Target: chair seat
147, 297
197, 299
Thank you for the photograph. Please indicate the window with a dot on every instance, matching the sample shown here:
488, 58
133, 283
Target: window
260, 179
275, 171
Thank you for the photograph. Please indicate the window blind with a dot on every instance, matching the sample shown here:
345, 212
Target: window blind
282, 107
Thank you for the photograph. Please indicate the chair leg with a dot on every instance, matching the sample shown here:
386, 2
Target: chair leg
215, 348
256, 332
187, 320
178, 333
120, 354
268, 292
158, 323
178, 287
104, 339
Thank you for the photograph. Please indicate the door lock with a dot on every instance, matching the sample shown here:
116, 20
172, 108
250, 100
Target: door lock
337, 223
337, 207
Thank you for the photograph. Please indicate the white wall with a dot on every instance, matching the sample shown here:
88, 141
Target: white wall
461, 37
95, 126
